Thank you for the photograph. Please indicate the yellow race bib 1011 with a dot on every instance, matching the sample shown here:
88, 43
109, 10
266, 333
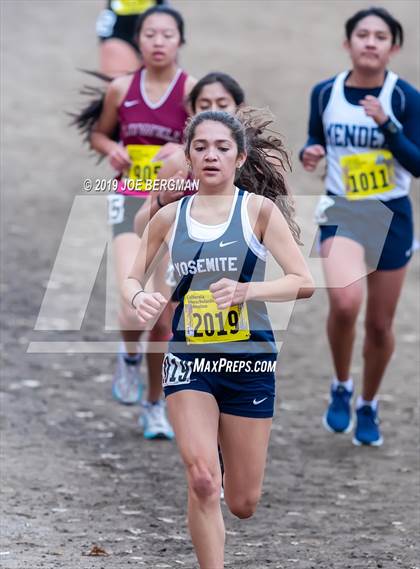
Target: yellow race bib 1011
130, 7
367, 174
205, 323
142, 166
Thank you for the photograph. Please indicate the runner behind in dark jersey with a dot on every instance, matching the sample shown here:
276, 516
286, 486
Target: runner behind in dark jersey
366, 122
148, 110
115, 27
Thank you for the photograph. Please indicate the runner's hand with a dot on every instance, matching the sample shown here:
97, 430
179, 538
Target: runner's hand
311, 156
119, 158
227, 292
149, 305
373, 108
169, 196
166, 150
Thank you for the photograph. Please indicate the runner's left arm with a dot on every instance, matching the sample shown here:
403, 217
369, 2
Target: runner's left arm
297, 281
405, 143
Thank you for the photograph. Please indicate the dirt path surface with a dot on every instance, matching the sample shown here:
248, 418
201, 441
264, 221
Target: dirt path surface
75, 470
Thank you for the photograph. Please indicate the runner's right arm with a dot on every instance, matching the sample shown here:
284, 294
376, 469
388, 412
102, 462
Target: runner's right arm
100, 139
152, 247
314, 149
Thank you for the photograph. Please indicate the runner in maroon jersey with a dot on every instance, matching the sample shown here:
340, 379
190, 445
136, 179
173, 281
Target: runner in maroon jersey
148, 108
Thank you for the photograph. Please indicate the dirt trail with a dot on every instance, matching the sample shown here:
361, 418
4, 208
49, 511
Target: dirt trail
75, 471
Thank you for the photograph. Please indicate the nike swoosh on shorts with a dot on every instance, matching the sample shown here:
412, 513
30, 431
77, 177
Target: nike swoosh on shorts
255, 402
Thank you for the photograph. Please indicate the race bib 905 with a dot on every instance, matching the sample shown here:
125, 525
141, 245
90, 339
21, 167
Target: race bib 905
142, 166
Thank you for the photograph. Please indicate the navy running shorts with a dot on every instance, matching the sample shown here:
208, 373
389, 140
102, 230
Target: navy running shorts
383, 228
241, 386
122, 211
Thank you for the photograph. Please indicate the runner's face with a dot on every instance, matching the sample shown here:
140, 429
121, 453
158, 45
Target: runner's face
214, 97
159, 40
370, 45
214, 154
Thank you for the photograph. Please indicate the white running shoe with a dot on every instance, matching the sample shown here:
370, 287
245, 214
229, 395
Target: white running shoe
127, 386
154, 422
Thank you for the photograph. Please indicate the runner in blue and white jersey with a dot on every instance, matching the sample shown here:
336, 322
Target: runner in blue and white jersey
365, 121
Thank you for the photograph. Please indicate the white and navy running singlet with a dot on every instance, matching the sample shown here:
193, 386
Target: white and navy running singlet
369, 166
358, 165
229, 353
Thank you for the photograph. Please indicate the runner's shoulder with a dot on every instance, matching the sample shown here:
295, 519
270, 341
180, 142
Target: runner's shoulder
405, 95
260, 208
323, 86
165, 216
407, 88
321, 93
189, 84
119, 86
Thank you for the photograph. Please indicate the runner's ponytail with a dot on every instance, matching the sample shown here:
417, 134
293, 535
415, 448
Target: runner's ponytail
267, 161
85, 119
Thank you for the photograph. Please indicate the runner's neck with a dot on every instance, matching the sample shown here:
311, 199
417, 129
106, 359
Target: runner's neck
218, 203
206, 194
363, 80
161, 76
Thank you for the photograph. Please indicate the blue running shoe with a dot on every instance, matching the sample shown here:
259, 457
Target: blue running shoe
367, 430
337, 418
127, 386
154, 422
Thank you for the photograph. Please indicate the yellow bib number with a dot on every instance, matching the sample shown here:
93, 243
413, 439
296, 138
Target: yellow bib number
206, 324
142, 168
129, 7
368, 174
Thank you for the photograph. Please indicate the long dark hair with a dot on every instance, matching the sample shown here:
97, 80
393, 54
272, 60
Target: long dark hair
85, 119
267, 159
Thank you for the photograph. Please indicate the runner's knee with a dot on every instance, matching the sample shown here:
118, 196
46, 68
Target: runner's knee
345, 309
379, 331
243, 506
204, 483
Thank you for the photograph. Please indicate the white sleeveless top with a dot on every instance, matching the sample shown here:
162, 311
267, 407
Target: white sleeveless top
358, 166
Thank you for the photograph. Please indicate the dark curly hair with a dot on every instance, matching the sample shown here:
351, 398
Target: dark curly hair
267, 159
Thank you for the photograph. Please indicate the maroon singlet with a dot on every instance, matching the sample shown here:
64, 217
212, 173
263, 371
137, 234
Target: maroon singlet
144, 122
